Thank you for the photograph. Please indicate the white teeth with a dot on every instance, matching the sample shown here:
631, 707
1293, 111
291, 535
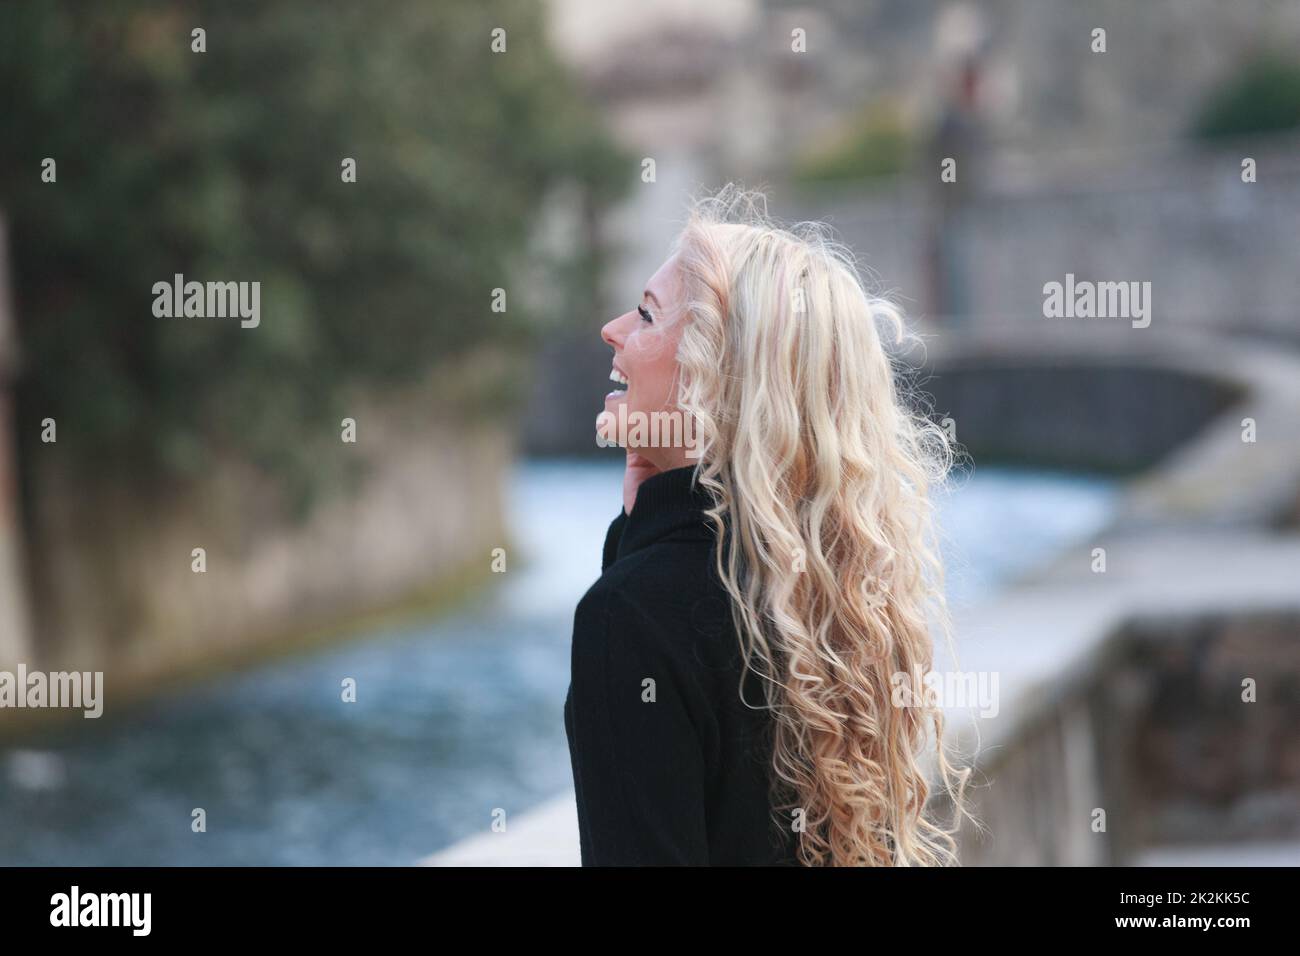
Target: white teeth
616, 376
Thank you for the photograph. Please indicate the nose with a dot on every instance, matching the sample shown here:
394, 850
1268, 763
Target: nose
613, 333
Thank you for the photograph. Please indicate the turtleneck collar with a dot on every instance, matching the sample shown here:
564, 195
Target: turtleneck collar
667, 503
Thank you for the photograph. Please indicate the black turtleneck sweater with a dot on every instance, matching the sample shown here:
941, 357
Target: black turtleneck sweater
670, 767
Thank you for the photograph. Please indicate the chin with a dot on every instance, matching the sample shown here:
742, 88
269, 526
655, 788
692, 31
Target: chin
607, 429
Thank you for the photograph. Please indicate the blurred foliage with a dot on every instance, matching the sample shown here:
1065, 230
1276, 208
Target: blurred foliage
875, 143
225, 166
1262, 96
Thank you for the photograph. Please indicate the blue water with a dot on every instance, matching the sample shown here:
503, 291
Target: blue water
454, 717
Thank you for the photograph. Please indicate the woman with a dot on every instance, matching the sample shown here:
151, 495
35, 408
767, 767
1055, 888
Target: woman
772, 576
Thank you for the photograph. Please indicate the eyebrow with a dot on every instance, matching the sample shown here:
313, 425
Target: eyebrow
650, 295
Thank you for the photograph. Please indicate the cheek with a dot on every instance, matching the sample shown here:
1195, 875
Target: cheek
658, 367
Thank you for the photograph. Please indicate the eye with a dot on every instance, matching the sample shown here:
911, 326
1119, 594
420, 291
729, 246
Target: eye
645, 315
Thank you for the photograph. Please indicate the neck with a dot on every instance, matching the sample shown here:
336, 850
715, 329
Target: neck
668, 503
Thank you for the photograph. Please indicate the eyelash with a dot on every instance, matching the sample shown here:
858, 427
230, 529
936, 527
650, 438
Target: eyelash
645, 315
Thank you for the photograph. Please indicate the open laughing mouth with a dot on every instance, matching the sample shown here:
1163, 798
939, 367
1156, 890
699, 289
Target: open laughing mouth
620, 384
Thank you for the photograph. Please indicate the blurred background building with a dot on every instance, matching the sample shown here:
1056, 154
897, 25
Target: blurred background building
1112, 157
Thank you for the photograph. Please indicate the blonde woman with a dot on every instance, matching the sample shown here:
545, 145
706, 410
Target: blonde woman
772, 573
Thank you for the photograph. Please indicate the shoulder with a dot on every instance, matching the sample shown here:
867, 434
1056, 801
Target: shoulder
656, 587
662, 608
624, 600
633, 643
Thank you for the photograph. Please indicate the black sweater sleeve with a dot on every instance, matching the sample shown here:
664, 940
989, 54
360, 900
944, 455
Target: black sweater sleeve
640, 766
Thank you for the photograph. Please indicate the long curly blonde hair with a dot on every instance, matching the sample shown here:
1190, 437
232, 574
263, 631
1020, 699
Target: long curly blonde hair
821, 470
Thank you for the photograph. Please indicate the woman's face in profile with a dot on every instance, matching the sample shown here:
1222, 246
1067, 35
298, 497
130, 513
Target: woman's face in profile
644, 340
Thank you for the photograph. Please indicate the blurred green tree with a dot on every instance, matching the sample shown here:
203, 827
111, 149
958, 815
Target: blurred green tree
873, 144
225, 165
1261, 96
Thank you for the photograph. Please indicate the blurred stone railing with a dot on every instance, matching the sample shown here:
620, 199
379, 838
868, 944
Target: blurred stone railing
1145, 742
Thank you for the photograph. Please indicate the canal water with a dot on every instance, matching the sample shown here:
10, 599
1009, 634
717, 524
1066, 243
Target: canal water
454, 717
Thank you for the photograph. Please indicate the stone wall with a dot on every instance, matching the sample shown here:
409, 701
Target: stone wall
113, 584
1219, 253
1155, 734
